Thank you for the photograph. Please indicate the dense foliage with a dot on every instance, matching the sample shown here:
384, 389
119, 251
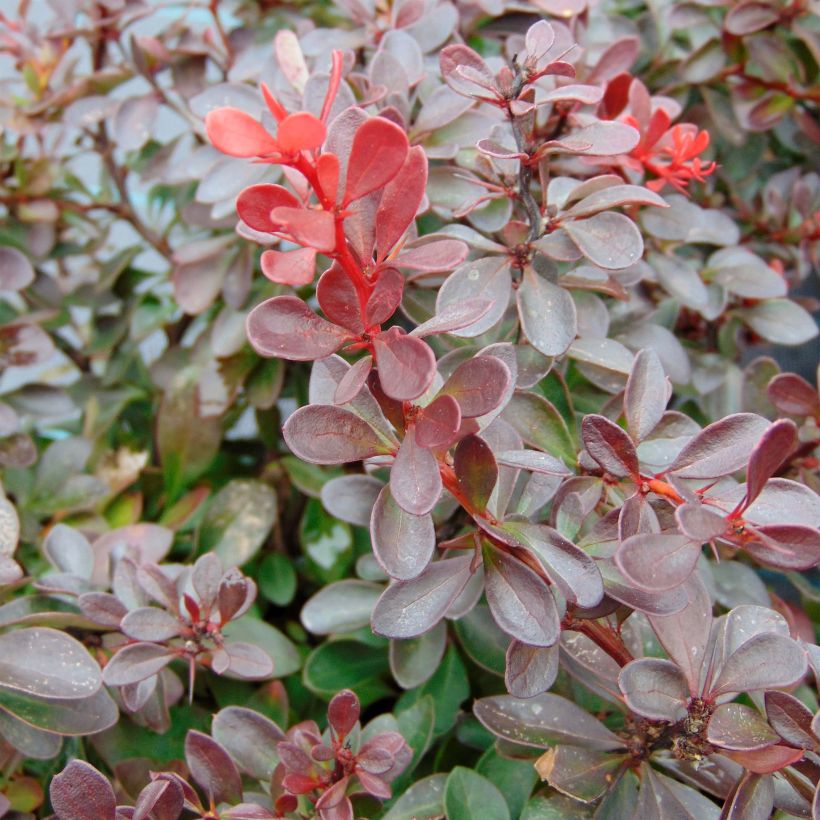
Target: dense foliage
385, 429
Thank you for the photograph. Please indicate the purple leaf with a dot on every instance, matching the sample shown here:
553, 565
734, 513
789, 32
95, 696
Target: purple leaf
534, 461
402, 543
751, 799
647, 392
785, 546
136, 662
600, 139
150, 624
610, 446
321, 434
612, 196
160, 800
658, 561
454, 317
488, 278
520, 601
406, 364
287, 328
793, 395
478, 385
584, 774
610, 240
476, 471
351, 498
543, 721
750, 16
250, 738
547, 313
721, 448
415, 480
353, 381
16, 271
769, 453
766, 661
80, 792
739, 727
465, 71
212, 768
654, 689
685, 635
700, 523
343, 712
248, 661
432, 255
790, 719
530, 670
102, 608
408, 608
438, 423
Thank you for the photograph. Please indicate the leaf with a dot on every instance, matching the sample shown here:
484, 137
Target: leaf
438, 423
488, 278
237, 134
237, 521
610, 240
520, 601
136, 662
415, 480
408, 608
47, 663
69, 551
262, 635
425, 798
212, 768
385, 298
739, 727
612, 196
16, 271
610, 446
766, 661
790, 719
476, 471
301, 131
255, 203
658, 561
339, 300
414, 660
700, 523
465, 71
646, 395
747, 17
721, 448
793, 395
540, 424
406, 364
377, 154
345, 665
80, 792
542, 721
296, 268
250, 738
287, 328
314, 229
752, 798
468, 795
603, 138
401, 200
584, 774
482, 639
547, 312
654, 689
403, 543
64, 716
530, 670
781, 321
321, 434
478, 385
769, 453
149, 623
351, 498
344, 606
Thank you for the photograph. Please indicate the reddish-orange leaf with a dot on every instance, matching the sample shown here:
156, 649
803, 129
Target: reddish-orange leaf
300, 132
313, 228
377, 155
290, 267
238, 134
327, 168
255, 203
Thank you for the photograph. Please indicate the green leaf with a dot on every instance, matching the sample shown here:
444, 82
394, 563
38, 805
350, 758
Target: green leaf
423, 800
285, 656
540, 424
557, 807
344, 665
416, 726
514, 778
277, 579
469, 796
324, 538
237, 521
483, 641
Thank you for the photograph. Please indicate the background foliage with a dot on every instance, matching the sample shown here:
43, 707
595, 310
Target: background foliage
490, 527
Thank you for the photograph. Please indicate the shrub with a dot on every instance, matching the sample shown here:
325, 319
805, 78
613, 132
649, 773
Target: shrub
540, 510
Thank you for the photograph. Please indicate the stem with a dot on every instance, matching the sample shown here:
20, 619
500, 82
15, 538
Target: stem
525, 179
603, 636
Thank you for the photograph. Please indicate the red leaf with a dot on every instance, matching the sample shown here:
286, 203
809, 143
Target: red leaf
255, 203
400, 201
353, 381
307, 227
343, 712
327, 169
793, 395
438, 423
478, 385
300, 132
415, 481
295, 268
769, 453
338, 299
376, 156
385, 298
610, 446
765, 761
238, 134
287, 328
212, 768
406, 364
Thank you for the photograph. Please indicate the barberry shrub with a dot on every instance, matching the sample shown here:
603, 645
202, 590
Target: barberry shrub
386, 422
